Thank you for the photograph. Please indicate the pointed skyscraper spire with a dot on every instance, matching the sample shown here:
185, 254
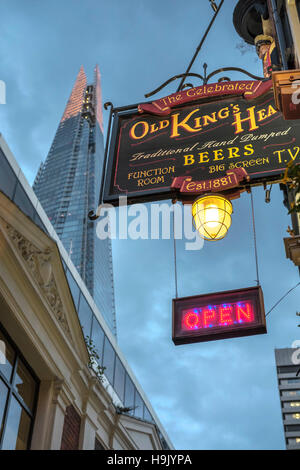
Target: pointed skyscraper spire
98, 97
68, 186
74, 103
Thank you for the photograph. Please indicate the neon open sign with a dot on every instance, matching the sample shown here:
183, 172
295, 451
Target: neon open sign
218, 316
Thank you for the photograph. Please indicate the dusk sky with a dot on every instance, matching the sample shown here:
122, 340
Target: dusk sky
217, 395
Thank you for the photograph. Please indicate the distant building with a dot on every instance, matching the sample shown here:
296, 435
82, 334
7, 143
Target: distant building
68, 183
289, 390
51, 395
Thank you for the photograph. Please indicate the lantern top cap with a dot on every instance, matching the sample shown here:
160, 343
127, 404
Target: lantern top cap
263, 39
212, 195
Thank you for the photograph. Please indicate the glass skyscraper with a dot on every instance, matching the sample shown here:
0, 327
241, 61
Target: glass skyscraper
68, 184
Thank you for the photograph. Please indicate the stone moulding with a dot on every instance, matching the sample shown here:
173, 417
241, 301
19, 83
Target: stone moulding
40, 266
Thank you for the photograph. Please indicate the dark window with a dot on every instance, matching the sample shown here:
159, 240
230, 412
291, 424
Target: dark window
98, 445
73, 288
288, 369
109, 360
3, 400
292, 427
23, 202
98, 339
147, 414
8, 178
24, 384
85, 316
17, 427
119, 379
18, 395
38, 221
9, 358
64, 265
129, 393
163, 441
139, 406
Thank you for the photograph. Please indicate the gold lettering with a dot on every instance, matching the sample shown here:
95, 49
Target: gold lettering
197, 122
145, 126
153, 128
209, 119
223, 113
163, 124
249, 150
188, 160
218, 154
203, 157
190, 186
191, 92
293, 156
262, 115
279, 152
233, 152
271, 111
176, 124
251, 119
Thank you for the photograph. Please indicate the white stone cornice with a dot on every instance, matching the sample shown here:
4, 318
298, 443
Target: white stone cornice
39, 265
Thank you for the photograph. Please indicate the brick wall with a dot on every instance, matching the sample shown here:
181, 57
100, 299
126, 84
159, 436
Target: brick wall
71, 430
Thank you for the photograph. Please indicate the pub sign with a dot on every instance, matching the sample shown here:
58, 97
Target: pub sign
202, 134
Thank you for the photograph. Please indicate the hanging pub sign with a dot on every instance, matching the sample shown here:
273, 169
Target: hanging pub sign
202, 134
218, 316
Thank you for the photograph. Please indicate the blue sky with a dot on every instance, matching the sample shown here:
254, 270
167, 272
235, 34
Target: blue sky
218, 395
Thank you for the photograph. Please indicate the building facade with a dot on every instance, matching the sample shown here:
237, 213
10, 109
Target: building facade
288, 374
53, 395
68, 183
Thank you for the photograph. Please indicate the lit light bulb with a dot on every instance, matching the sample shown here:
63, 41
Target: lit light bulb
212, 216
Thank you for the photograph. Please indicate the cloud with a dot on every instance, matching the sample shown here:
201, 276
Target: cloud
218, 395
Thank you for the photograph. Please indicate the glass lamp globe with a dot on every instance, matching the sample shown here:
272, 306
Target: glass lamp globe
212, 216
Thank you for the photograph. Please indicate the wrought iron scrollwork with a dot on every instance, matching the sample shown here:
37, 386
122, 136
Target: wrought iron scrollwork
107, 104
234, 69
205, 78
176, 77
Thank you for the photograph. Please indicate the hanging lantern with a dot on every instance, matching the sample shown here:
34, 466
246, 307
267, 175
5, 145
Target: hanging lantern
212, 216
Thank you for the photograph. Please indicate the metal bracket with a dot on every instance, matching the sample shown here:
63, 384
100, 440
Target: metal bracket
94, 215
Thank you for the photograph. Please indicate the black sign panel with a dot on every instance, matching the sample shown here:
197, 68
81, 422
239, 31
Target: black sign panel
218, 316
198, 140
